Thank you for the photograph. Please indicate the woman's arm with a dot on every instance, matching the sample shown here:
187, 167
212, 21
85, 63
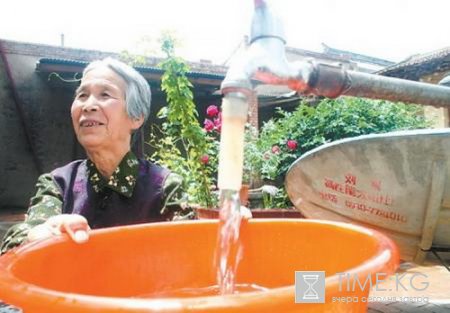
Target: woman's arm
47, 202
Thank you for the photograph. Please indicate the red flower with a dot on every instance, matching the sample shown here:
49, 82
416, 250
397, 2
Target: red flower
212, 111
209, 125
204, 159
275, 149
291, 144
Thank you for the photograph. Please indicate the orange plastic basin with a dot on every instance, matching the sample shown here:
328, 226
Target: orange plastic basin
117, 265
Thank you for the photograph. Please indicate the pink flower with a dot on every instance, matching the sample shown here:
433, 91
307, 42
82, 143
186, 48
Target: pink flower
218, 124
209, 125
291, 144
276, 149
212, 111
204, 159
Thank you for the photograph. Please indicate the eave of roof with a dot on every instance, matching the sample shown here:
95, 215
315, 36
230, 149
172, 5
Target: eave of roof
49, 65
418, 65
356, 56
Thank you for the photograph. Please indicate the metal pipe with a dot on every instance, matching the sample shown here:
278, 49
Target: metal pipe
395, 89
333, 81
265, 61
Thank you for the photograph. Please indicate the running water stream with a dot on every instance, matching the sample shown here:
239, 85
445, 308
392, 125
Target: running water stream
229, 248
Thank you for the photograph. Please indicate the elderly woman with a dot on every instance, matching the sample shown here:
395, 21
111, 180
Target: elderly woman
111, 187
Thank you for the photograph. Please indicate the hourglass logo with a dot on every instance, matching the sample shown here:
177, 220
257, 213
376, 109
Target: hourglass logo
6, 308
309, 287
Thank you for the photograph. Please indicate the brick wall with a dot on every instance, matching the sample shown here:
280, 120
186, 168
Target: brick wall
253, 111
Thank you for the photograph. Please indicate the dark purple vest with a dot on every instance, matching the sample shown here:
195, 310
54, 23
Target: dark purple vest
108, 208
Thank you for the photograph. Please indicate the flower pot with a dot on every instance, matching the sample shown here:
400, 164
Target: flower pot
243, 194
141, 268
203, 213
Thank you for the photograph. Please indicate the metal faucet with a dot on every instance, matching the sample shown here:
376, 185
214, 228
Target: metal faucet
265, 56
265, 61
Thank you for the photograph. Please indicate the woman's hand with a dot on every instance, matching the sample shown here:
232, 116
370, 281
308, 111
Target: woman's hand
73, 224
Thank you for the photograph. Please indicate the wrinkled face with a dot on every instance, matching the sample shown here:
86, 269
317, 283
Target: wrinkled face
98, 112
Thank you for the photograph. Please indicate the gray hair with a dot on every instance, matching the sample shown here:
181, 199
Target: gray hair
138, 96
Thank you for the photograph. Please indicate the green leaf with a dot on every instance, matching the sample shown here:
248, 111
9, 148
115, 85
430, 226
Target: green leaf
163, 112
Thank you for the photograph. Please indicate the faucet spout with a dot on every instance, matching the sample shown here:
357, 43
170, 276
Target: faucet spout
265, 58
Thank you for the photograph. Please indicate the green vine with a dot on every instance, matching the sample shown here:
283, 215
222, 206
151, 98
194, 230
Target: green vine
181, 142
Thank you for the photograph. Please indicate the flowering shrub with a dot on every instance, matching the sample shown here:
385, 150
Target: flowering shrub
181, 144
285, 138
